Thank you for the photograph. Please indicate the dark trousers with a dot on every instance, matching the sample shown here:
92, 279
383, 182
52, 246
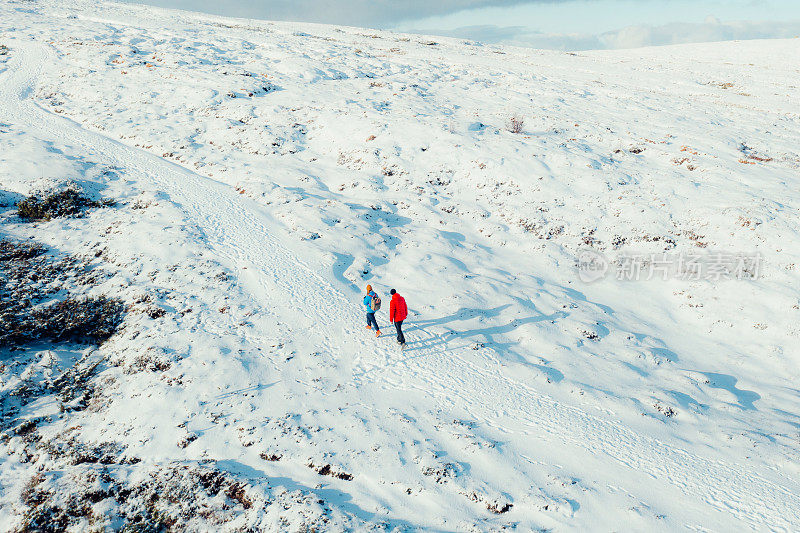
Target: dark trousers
400, 337
371, 321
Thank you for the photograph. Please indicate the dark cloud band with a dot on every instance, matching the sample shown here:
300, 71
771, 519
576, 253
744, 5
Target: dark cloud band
372, 13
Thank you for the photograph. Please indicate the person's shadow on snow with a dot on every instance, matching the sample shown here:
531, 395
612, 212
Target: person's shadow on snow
445, 340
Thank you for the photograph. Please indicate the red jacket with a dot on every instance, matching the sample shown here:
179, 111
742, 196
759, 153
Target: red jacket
397, 308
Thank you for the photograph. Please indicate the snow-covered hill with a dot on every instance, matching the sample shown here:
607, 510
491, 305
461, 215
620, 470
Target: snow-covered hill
264, 173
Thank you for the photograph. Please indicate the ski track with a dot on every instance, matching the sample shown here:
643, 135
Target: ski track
238, 232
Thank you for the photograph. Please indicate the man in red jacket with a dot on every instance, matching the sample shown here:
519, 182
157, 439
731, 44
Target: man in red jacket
397, 313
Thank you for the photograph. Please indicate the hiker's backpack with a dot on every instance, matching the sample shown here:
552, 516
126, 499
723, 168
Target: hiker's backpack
376, 303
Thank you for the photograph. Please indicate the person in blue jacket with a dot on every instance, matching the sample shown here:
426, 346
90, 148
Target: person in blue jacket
371, 295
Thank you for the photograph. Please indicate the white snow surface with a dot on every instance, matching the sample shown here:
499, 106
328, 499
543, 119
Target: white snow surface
266, 172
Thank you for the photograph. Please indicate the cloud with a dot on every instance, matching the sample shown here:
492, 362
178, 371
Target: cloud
372, 13
629, 37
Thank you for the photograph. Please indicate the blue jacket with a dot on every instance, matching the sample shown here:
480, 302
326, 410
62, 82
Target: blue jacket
368, 301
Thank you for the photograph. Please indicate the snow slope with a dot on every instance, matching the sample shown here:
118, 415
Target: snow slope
282, 167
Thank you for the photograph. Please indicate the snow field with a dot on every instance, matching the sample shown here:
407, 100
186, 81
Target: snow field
285, 169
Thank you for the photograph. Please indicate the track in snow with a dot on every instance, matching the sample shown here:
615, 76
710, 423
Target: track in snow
236, 229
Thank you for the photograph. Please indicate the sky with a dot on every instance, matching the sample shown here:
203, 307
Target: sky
555, 24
